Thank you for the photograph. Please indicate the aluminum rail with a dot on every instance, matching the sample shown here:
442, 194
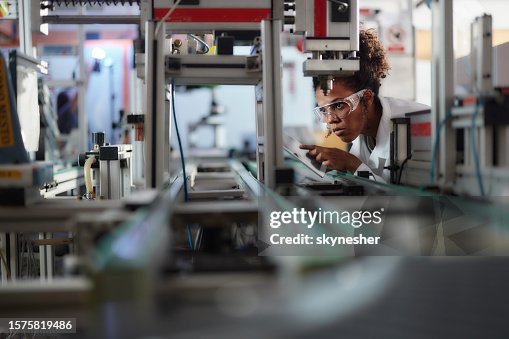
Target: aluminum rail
89, 19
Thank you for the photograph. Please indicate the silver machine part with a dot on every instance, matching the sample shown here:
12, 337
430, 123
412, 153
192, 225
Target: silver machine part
332, 36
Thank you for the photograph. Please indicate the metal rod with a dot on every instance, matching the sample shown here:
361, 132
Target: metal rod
32, 62
98, 19
28, 59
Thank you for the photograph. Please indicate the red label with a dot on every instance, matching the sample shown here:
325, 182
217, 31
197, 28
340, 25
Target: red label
396, 49
320, 18
214, 14
422, 129
469, 100
365, 11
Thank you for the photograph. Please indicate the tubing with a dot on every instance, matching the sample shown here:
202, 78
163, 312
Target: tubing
88, 176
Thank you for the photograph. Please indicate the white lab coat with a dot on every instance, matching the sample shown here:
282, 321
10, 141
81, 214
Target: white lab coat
379, 158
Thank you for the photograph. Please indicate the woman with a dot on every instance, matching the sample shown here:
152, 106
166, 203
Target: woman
355, 112
67, 109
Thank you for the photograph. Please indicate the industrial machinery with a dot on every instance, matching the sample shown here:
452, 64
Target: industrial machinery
107, 169
159, 242
331, 30
333, 42
474, 159
479, 120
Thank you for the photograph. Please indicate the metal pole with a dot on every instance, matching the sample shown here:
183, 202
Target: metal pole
25, 27
149, 105
414, 62
443, 90
272, 106
167, 135
42, 258
160, 91
49, 257
112, 106
259, 138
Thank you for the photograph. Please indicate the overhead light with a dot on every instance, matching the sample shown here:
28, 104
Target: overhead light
98, 53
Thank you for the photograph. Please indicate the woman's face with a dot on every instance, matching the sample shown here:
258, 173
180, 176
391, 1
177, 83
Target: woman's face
348, 128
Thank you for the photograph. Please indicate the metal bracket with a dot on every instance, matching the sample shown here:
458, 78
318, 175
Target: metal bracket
254, 63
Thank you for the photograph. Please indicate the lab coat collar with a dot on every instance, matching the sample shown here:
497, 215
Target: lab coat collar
378, 156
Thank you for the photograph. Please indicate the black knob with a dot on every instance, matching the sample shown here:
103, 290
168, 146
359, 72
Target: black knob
98, 138
82, 157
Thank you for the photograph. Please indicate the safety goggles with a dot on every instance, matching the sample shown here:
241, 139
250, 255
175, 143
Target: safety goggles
340, 108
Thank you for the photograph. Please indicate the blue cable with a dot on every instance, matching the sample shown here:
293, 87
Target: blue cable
474, 148
477, 163
435, 145
190, 237
186, 197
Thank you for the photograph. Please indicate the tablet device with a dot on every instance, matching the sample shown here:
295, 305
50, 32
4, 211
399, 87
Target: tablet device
291, 145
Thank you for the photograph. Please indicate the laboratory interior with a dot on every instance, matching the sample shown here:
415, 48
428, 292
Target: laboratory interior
254, 169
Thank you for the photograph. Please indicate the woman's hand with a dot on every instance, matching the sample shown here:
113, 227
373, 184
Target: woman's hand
333, 158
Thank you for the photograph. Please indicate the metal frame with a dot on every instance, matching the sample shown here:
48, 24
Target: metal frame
494, 177
114, 179
149, 108
208, 69
156, 109
91, 19
29, 61
217, 69
203, 18
44, 219
481, 55
65, 180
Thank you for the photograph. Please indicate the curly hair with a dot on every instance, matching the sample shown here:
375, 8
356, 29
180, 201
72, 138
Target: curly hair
373, 65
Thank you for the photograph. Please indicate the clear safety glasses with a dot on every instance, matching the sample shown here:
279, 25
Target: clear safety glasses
340, 108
